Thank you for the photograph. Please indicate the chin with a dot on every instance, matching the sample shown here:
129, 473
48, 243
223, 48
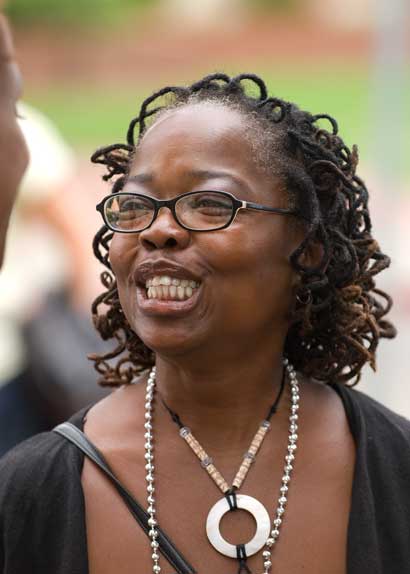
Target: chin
169, 341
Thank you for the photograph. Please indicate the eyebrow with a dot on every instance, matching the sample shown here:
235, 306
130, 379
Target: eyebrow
194, 173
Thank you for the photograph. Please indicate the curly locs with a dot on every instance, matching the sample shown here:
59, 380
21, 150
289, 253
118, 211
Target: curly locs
339, 314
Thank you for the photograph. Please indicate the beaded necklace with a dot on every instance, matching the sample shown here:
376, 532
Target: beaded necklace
267, 534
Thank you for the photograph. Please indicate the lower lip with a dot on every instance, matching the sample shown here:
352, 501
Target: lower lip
166, 307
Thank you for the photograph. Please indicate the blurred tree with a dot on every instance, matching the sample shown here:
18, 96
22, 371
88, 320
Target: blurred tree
67, 12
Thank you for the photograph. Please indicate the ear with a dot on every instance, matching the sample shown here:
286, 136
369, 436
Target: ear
312, 255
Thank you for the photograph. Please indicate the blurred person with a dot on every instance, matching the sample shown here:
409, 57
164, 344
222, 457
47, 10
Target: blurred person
13, 151
41, 384
239, 287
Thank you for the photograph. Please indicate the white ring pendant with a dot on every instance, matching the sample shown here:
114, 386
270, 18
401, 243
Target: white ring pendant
253, 506
244, 502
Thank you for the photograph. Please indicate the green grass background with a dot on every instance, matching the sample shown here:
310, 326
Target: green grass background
90, 117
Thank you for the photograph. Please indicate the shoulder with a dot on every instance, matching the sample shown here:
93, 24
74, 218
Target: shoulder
43, 462
382, 438
382, 475
44, 458
115, 420
377, 419
42, 507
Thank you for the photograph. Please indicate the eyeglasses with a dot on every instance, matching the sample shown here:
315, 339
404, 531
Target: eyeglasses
130, 212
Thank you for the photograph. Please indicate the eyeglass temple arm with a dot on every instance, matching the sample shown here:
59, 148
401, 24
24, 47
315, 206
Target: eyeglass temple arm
259, 207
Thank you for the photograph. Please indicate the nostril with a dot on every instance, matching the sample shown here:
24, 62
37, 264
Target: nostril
170, 242
164, 233
148, 244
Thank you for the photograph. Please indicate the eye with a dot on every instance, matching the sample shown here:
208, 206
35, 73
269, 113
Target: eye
210, 203
133, 207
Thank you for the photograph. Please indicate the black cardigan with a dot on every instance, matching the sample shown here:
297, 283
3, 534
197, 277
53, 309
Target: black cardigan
42, 510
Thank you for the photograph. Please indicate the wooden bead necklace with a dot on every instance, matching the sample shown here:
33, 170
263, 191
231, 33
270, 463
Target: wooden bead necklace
267, 534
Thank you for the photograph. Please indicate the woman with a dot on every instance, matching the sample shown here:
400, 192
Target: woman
251, 287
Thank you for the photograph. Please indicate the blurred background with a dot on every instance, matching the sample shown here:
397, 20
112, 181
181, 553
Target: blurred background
87, 66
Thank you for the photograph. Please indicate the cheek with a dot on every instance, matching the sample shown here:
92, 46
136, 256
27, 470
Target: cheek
253, 264
122, 253
122, 256
258, 250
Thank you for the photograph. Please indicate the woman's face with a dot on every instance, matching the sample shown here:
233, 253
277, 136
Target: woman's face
242, 273
13, 151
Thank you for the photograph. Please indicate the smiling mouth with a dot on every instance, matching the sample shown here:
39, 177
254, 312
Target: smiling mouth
167, 288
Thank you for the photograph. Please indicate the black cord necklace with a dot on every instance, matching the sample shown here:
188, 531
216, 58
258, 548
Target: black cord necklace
207, 463
272, 410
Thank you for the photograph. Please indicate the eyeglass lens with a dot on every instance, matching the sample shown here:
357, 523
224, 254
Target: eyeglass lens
200, 211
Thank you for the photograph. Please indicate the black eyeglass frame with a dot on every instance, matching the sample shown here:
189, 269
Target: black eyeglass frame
237, 204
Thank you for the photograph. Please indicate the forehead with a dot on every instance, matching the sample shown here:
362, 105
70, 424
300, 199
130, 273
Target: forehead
204, 118
206, 134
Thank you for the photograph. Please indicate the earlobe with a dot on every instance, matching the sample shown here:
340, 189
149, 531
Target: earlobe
313, 255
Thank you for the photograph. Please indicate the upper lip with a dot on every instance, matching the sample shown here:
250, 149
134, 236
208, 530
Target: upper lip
150, 268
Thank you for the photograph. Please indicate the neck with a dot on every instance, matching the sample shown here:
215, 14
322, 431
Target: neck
221, 401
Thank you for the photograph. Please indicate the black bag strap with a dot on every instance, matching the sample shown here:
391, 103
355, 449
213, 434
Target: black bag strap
166, 547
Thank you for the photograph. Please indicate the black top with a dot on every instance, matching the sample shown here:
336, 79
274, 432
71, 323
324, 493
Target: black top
42, 510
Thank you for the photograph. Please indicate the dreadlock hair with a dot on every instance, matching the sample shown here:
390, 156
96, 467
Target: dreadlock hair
339, 314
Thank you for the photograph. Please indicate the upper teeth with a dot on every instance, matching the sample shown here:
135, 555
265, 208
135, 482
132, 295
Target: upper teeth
171, 288
167, 280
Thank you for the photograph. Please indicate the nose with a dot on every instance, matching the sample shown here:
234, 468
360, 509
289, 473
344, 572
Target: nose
165, 232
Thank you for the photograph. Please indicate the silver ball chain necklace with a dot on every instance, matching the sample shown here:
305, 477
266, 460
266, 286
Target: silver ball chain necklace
267, 533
